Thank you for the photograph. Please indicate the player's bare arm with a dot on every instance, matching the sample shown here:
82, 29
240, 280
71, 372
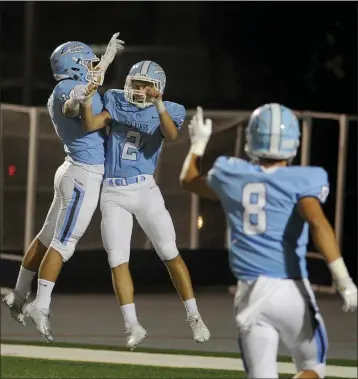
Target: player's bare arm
322, 233
93, 122
325, 241
167, 125
192, 180
90, 121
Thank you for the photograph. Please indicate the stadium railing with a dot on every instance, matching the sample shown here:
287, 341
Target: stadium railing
31, 152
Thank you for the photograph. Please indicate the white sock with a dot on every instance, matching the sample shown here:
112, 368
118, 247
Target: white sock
24, 280
191, 307
44, 291
129, 313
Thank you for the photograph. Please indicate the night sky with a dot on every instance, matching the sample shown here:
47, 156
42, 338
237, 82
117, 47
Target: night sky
303, 54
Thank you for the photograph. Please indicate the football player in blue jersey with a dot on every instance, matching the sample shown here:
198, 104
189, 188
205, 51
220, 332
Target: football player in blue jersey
139, 120
270, 207
77, 181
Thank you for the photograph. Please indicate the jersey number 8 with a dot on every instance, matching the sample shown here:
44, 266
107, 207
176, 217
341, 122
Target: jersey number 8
130, 147
254, 215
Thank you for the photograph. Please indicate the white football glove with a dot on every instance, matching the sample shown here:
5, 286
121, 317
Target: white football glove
348, 291
78, 93
344, 284
83, 94
72, 103
115, 45
199, 132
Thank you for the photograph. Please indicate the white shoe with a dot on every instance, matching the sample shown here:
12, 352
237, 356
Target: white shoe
200, 331
40, 318
136, 335
15, 303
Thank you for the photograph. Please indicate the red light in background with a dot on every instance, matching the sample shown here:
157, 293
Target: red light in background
11, 170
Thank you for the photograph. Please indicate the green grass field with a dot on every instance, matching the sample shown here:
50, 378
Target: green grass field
40, 368
12, 367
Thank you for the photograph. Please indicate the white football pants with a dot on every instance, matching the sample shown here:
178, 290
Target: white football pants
77, 188
144, 200
279, 309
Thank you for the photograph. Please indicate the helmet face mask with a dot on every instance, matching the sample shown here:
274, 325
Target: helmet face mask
94, 75
142, 73
137, 96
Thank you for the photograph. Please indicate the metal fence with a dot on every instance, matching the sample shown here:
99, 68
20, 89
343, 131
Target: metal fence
31, 153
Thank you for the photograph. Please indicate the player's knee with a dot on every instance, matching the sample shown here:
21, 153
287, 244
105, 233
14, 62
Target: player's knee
167, 251
65, 249
117, 258
45, 235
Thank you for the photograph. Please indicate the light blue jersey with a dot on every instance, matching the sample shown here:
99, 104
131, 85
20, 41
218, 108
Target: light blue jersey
268, 236
82, 147
135, 139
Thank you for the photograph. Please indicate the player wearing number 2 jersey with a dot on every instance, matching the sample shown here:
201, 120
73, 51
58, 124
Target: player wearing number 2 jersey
270, 206
138, 121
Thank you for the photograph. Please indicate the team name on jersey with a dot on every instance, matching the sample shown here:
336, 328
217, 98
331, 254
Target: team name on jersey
137, 125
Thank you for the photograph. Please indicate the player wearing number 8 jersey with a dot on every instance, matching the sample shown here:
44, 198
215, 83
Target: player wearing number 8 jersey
138, 121
270, 206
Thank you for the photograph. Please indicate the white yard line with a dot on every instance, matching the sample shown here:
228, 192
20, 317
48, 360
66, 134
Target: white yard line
149, 359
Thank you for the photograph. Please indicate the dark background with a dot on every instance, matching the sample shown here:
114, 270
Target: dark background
221, 55
301, 54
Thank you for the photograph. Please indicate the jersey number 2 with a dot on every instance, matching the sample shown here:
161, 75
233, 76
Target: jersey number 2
254, 208
128, 151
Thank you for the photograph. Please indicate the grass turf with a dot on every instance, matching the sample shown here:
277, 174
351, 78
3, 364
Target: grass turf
13, 367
